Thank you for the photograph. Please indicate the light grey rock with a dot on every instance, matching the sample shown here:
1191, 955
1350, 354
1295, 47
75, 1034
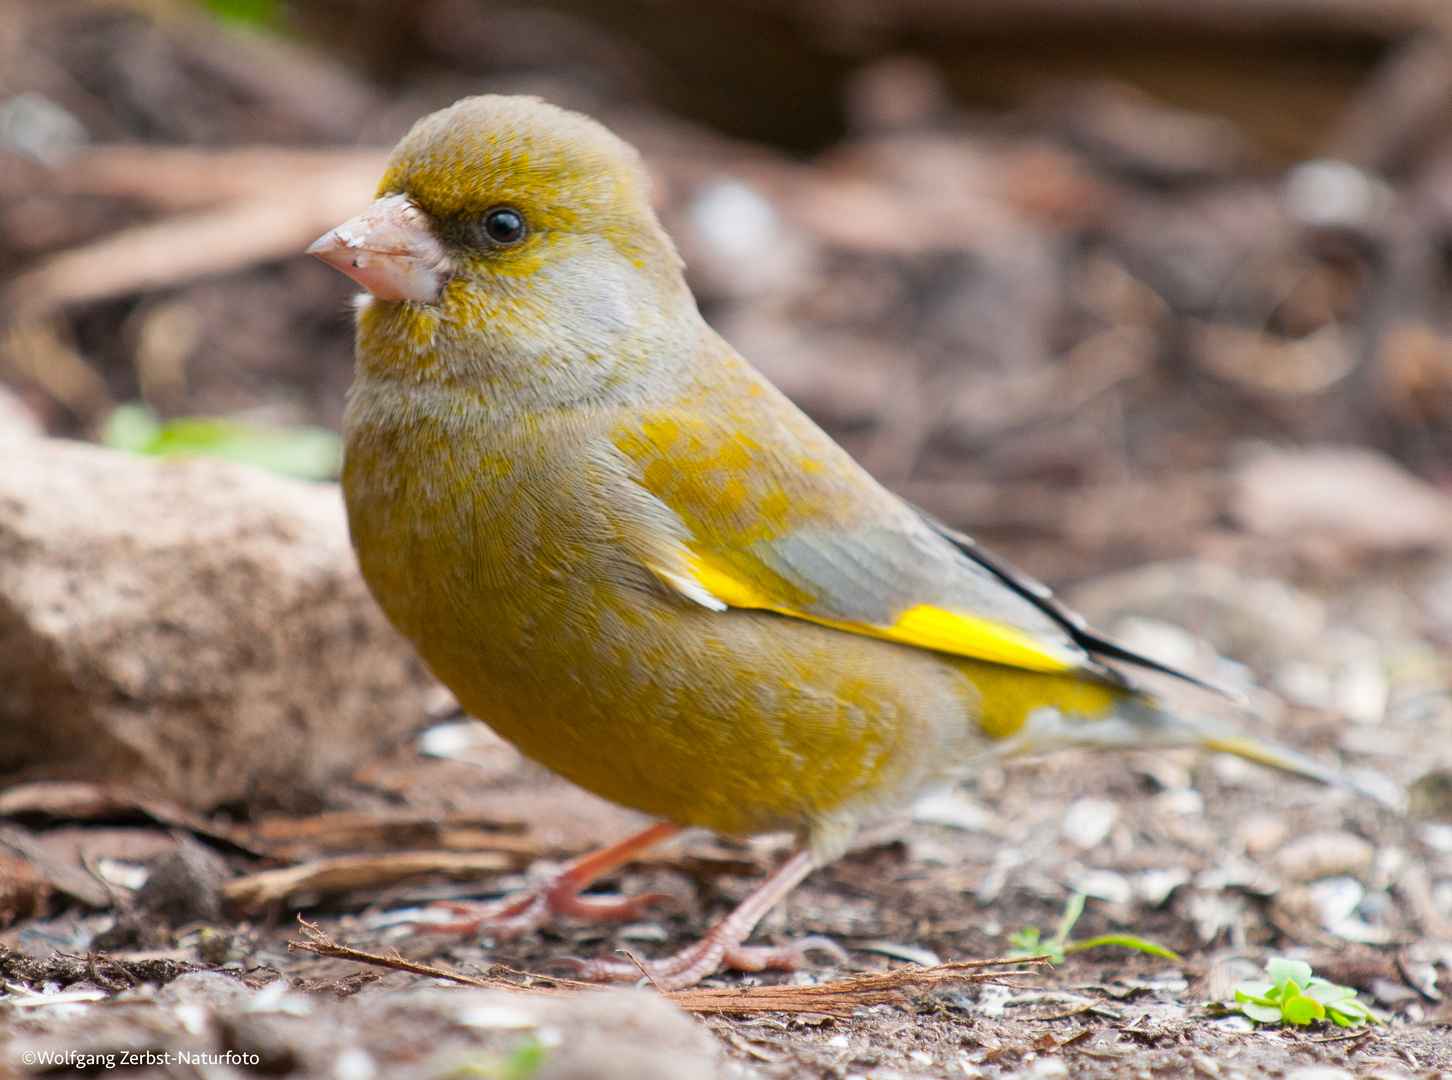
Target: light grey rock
416, 1033
196, 626
16, 419
1344, 495
1324, 854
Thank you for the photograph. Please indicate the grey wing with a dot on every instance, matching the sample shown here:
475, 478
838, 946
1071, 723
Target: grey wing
1073, 624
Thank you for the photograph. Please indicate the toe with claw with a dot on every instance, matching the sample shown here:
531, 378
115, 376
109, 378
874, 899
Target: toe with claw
722, 944
514, 916
695, 962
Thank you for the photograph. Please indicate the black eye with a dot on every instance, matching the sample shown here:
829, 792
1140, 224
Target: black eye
504, 226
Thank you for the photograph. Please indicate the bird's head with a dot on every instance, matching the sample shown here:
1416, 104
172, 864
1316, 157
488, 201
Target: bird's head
509, 232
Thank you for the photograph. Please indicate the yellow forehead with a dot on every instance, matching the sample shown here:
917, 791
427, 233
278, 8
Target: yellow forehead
519, 151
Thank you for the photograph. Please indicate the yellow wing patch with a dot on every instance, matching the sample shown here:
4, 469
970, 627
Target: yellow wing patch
924, 626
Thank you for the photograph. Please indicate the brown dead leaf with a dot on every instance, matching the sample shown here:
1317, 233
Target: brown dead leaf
45, 802
255, 892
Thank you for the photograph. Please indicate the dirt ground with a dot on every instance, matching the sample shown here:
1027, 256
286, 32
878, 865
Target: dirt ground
1158, 306
907, 888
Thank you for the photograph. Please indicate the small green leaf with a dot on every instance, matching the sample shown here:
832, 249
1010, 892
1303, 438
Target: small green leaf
521, 1063
1302, 1010
1072, 910
1327, 992
524, 1061
1253, 991
1298, 997
1262, 1014
309, 453
133, 426
1026, 943
1283, 971
1347, 1013
1026, 939
1128, 941
247, 12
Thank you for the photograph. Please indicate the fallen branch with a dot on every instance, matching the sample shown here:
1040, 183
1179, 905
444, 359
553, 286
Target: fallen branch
52, 801
827, 999
296, 839
187, 178
178, 249
345, 872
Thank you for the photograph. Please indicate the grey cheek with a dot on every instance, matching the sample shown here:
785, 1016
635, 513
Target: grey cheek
596, 301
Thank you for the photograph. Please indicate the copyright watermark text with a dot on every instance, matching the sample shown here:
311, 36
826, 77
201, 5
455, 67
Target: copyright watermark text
131, 1059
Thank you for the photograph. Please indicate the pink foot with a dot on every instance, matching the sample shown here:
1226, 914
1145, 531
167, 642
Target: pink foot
514, 916
722, 943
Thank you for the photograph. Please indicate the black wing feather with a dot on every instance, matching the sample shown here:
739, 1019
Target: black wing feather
1042, 597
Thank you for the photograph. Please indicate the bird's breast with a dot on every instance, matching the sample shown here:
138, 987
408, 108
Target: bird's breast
487, 545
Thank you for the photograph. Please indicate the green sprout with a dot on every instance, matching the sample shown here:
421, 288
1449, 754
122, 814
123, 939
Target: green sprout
310, 453
521, 1063
1294, 996
1026, 942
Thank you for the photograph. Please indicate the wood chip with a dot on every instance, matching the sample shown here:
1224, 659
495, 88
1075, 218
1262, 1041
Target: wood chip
73, 882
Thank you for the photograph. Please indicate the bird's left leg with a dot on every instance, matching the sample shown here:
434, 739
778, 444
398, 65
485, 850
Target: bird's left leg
721, 946
561, 894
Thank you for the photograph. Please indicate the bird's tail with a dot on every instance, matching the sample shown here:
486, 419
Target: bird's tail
1141, 722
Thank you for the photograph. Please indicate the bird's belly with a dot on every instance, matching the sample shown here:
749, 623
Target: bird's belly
740, 721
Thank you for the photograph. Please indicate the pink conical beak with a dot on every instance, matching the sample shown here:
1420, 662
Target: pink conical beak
390, 250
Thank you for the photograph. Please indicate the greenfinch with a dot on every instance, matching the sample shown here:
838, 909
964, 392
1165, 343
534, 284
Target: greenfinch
621, 546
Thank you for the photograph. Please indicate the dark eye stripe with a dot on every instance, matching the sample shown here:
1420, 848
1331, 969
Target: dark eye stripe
497, 227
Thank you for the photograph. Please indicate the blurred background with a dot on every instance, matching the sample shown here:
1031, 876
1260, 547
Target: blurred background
1078, 276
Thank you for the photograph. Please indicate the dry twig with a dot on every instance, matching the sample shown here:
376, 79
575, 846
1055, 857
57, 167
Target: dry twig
844, 997
827, 999
320, 944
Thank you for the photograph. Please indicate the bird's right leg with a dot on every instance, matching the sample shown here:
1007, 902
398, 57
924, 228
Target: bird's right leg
722, 944
513, 916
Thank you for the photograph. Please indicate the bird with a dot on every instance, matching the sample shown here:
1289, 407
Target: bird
636, 559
